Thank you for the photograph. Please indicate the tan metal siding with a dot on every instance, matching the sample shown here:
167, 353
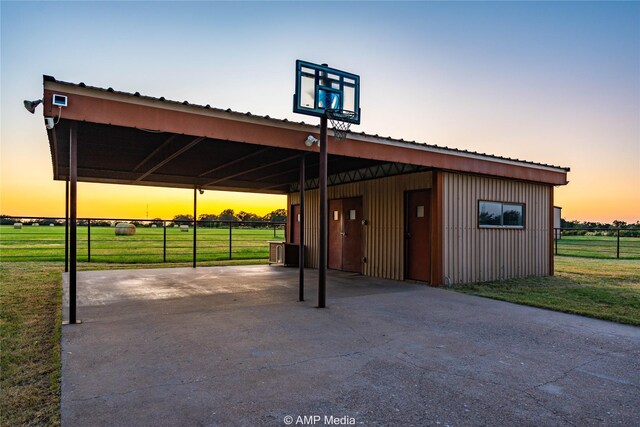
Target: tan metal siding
472, 254
383, 207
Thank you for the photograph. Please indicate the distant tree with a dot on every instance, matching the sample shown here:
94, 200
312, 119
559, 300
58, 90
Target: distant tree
7, 220
182, 219
207, 220
619, 224
247, 216
279, 215
227, 215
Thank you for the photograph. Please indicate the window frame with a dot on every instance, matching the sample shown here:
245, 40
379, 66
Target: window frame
501, 225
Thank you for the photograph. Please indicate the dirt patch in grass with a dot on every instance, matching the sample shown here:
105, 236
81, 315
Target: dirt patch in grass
604, 289
30, 319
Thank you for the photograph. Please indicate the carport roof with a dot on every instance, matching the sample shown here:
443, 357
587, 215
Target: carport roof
127, 138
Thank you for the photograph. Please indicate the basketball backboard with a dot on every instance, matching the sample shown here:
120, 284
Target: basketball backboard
320, 88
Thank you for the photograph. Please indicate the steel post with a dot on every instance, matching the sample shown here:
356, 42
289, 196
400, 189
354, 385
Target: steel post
618, 245
322, 264
66, 226
301, 243
230, 238
164, 241
88, 240
195, 223
73, 177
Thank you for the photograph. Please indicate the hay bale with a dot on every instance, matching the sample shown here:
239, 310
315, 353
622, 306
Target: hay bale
17, 225
125, 229
184, 228
154, 226
35, 224
176, 226
51, 225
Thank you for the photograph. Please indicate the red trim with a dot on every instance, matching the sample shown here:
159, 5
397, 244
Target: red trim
437, 259
120, 113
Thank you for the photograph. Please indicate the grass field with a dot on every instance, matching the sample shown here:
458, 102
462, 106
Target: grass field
599, 246
30, 319
604, 289
146, 246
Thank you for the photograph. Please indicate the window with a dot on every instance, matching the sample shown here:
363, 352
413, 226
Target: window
499, 214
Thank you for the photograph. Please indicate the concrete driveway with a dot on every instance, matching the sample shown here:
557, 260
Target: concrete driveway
232, 346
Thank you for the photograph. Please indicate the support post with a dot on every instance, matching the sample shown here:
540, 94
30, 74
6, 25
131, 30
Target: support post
73, 207
618, 245
322, 264
301, 243
230, 238
88, 240
557, 232
66, 226
164, 241
195, 222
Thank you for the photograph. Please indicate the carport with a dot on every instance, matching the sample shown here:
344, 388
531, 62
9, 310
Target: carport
105, 136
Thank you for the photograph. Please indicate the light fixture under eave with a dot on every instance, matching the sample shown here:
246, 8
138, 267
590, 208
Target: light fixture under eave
311, 140
31, 105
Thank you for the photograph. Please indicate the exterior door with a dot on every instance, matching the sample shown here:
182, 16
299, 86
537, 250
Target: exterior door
352, 235
418, 235
345, 235
295, 224
334, 260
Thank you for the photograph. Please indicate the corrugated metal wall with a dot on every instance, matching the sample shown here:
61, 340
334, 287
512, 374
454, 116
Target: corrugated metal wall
383, 207
471, 254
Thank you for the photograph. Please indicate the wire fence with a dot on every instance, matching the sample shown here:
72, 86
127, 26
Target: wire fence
151, 241
598, 242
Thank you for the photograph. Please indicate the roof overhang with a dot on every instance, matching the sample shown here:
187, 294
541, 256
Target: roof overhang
131, 139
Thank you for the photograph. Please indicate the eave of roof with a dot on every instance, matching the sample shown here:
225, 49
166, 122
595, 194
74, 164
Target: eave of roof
363, 136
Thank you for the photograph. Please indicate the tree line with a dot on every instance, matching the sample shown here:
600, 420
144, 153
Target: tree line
278, 215
599, 228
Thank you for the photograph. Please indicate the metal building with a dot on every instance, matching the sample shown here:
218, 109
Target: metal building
398, 209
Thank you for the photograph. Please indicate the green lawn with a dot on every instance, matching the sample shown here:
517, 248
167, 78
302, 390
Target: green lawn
599, 246
605, 289
30, 318
46, 243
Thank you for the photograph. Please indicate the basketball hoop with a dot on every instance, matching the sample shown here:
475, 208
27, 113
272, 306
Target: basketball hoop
341, 122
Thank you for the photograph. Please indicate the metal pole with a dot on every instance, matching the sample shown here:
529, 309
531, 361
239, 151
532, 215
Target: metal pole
322, 264
230, 237
274, 231
618, 245
164, 241
66, 226
557, 235
73, 172
88, 240
195, 223
301, 243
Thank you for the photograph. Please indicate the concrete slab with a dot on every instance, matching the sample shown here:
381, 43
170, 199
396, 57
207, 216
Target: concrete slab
231, 346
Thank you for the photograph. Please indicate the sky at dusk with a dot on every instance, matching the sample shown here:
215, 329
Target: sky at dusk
557, 83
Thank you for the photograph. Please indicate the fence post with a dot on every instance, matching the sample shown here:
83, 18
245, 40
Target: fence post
274, 231
230, 238
618, 245
88, 240
164, 241
556, 236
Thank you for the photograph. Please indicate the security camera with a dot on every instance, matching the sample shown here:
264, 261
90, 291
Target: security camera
49, 123
311, 140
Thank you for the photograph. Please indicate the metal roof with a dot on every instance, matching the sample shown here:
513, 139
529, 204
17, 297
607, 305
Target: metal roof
277, 120
129, 138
